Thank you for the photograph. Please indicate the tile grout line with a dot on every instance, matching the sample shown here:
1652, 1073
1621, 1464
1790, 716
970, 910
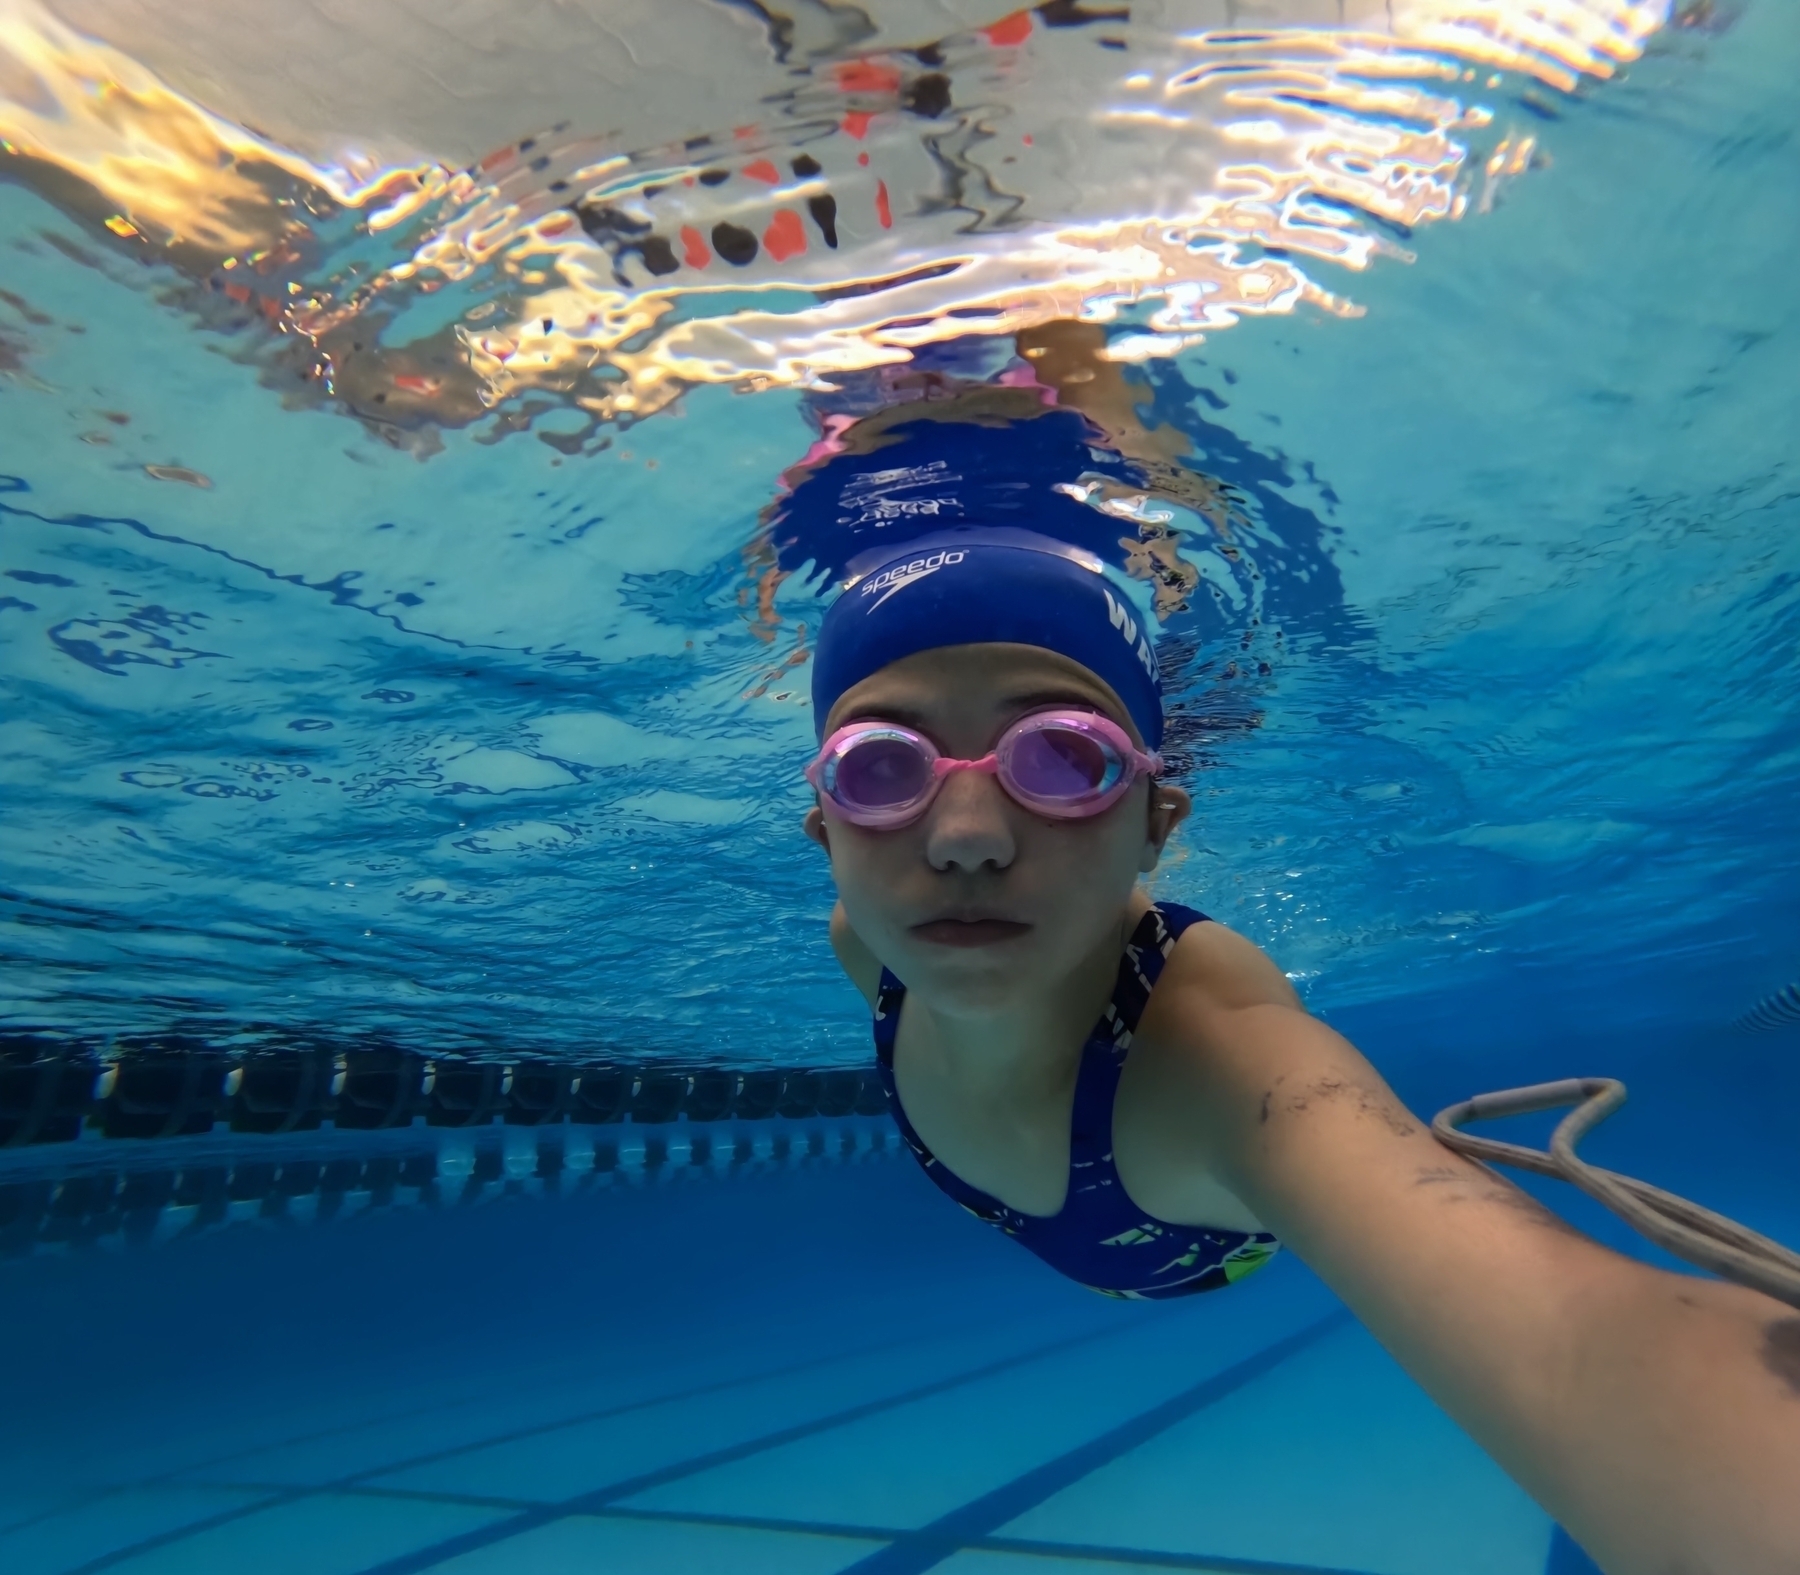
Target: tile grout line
930, 1545
530, 1515
1154, 1558
172, 1476
583, 1503
295, 1494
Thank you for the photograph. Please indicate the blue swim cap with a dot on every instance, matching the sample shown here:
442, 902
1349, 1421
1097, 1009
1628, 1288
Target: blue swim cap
977, 586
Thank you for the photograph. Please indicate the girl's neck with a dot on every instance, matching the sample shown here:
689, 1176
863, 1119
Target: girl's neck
1041, 1038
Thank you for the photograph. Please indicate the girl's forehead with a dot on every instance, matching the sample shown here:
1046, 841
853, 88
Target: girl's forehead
976, 683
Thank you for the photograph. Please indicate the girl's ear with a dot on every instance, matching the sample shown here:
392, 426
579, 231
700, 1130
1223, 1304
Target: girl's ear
1169, 806
814, 826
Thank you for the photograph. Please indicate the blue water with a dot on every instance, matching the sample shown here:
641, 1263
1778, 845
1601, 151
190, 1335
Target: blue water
379, 691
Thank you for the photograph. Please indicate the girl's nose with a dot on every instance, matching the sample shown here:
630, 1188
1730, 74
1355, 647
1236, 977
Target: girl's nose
969, 825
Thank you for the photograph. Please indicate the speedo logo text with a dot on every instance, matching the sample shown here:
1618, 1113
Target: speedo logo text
886, 583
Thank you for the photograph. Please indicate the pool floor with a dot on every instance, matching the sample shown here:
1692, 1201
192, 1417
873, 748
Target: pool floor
793, 1373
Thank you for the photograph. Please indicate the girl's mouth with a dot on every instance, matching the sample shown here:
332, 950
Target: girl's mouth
970, 932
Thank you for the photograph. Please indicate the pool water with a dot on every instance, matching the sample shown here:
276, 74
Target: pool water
433, 1134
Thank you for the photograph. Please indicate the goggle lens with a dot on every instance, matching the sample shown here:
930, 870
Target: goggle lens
880, 771
1060, 764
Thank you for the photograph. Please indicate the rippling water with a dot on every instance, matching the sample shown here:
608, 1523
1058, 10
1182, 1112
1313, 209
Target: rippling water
404, 429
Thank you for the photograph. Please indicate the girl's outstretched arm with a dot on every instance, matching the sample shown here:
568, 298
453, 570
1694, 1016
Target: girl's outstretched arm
1655, 1415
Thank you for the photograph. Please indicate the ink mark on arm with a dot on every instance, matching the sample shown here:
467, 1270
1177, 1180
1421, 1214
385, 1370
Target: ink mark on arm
1369, 1102
1467, 1186
1504, 1192
1781, 1352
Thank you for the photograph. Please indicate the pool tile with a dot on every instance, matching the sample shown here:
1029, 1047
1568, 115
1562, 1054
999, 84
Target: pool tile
375, 1445
520, 1401
1336, 1459
580, 1458
107, 1521
316, 1536
909, 1466
981, 1561
588, 1546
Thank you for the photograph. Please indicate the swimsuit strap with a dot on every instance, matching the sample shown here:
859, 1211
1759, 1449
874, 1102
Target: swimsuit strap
888, 996
1103, 1056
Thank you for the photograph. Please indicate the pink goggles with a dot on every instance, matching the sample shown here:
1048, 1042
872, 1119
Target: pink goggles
1064, 765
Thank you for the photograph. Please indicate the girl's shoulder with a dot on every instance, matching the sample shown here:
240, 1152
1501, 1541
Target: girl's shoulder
1212, 963
1163, 1112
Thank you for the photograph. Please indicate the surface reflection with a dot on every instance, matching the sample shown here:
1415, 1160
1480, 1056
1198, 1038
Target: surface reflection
889, 191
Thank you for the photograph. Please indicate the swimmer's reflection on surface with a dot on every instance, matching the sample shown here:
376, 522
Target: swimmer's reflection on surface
1135, 1093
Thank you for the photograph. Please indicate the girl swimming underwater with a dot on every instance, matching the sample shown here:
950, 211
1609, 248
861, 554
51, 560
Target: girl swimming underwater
1135, 1093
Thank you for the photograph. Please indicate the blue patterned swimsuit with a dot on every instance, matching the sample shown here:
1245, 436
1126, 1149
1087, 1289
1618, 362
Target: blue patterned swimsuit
1100, 1237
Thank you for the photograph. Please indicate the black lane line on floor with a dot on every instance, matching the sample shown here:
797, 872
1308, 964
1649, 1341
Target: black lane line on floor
1092, 1552
81, 1501
282, 1497
599, 1498
1155, 1558
930, 1545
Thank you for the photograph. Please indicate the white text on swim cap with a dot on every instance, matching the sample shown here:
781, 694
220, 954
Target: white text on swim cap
903, 575
1127, 626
